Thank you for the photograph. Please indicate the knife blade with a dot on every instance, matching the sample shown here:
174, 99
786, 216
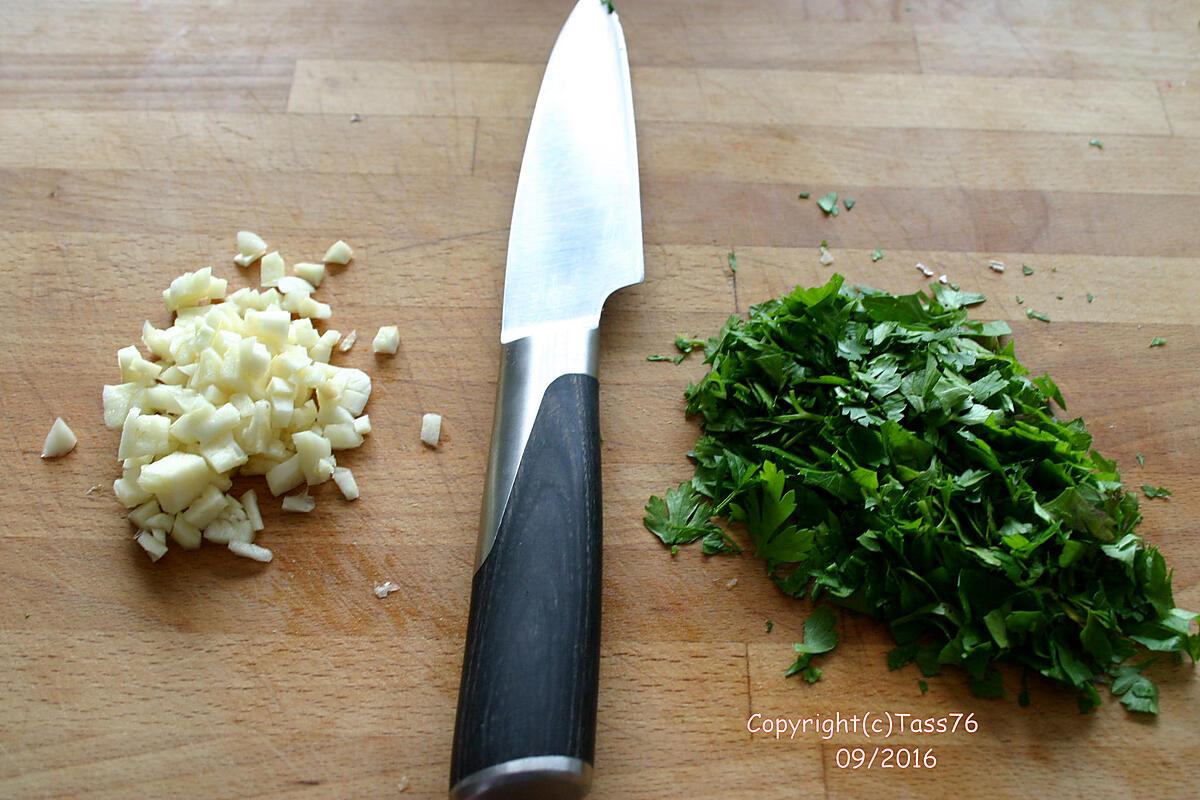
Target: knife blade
526, 717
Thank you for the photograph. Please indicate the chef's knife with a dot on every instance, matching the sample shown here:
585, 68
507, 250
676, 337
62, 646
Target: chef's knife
526, 724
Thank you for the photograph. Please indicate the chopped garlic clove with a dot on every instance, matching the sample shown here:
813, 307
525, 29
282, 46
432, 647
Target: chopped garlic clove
431, 429
346, 343
344, 479
59, 441
313, 273
301, 503
291, 283
362, 425
154, 548
338, 253
185, 534
250, 243
387, 340
250, 503
251, 551
271, 269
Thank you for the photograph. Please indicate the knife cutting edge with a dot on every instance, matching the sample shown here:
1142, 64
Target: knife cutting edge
526, 723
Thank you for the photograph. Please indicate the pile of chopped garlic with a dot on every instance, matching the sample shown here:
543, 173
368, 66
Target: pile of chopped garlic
236, 385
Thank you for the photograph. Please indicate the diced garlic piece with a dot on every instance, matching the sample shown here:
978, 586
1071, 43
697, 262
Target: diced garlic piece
251, 551
59, 441
223, 454
175, 480
205, 508
156, 341
250, 247
285, 476
362, 425
313, 273
192, 289
154, 548
144, 435
323, 349
144, 512
338, 253
431, 429
387, 340
345, 344
250, 503
118, 399
231, 525
313, 450
134, 368
344, 479
185, 534
342, 436
289, 284
159, 521
270, 326
258, 465
271, 269
301, 503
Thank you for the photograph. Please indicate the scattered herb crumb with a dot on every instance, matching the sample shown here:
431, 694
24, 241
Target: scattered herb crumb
923, 685
608, 4
1058, 297
805, 195
1090, 297
1029, 312
1026, 270
1155, 491
848, 203
770, 626
657, 357
1020, 300
876, 254
828, 204
1158, 341
1141, 459
1096, 143
685, 346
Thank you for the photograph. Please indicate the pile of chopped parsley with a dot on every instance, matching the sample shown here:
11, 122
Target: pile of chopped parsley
892, 455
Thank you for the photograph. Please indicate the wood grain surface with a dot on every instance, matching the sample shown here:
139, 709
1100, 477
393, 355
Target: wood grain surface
136, 138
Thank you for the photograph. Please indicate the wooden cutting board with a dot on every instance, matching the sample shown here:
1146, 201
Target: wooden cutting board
135, 139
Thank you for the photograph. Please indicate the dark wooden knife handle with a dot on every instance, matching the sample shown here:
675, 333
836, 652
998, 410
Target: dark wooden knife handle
527, 701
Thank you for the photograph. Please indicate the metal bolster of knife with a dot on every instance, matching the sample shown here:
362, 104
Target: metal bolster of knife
529, 365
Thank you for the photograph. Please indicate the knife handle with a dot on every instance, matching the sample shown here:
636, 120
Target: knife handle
526, 723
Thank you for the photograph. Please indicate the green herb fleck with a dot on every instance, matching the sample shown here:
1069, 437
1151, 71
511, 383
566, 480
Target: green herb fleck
876, 254
1026, 270
923, 685
828, 204
819, 637
657, 357
891, 455
1141, 459
1090, 297
1058, 297
1158, 341
1096, 143
1029, 312
1155, 491
731, 259
608, 4
848, 203
770, 626
805, 195
685, 346
1137, 692
1020, 300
